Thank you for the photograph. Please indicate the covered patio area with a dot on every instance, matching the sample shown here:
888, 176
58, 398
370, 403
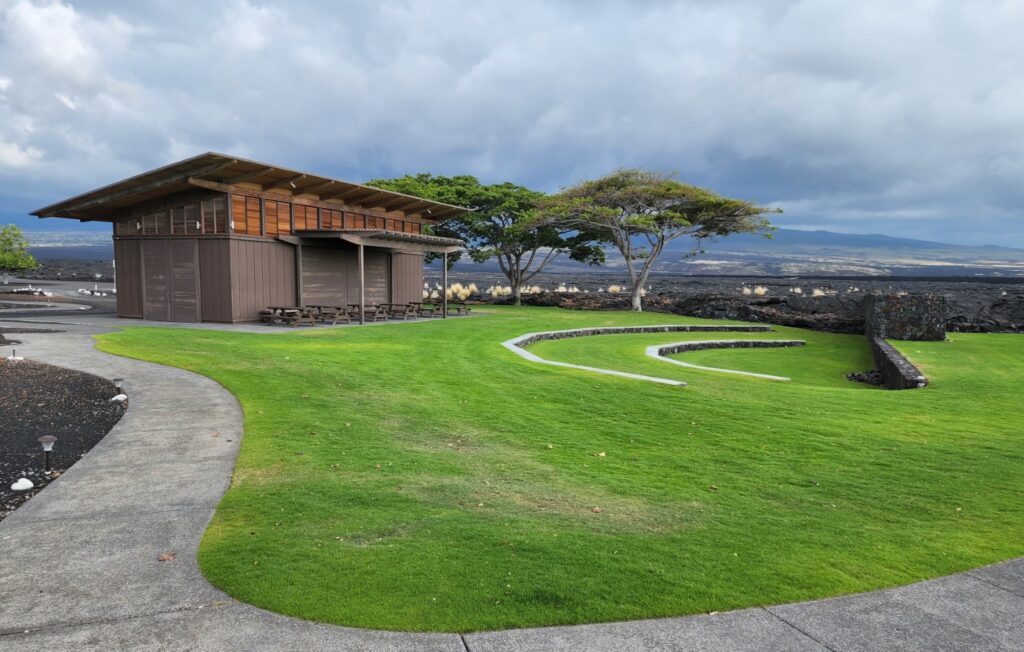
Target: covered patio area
365, 273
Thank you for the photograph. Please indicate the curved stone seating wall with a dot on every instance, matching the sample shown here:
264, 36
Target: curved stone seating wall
518, 344
897, 372
531, 338
660, 352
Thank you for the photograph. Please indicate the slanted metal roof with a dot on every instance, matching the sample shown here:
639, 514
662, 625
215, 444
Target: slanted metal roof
386, 239
100, 204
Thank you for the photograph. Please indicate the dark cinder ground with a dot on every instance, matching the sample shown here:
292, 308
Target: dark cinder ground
38, 399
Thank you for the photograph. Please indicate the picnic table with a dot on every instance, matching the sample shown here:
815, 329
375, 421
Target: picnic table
291, 315
373, 312
404, 310
333, 314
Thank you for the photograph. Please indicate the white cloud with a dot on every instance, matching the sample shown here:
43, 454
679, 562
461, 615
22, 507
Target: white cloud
13, 156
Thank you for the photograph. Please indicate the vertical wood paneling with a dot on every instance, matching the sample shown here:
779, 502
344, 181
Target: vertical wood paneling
330, 275
215, 280
262, 274
183, 280
406, 277
129, 278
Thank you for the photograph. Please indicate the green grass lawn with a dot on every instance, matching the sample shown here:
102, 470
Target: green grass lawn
421, 477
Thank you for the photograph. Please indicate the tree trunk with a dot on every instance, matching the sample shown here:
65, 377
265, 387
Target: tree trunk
518, 294
638, 286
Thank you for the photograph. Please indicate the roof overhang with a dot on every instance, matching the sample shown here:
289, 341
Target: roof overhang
100, 204
386, 239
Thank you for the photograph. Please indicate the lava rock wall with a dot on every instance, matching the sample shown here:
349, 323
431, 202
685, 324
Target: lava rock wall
905, 316
896, 371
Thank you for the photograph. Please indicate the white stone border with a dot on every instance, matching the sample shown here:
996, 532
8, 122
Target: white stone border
517, 344
662, 351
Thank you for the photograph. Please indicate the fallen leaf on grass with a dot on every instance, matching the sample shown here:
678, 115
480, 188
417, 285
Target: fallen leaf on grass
597, 510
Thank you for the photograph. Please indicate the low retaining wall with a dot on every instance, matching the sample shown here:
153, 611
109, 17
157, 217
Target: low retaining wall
660, 352
681, 347
897, 372
531, 338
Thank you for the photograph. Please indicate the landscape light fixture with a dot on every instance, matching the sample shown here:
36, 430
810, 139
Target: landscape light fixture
118, 382
47, 441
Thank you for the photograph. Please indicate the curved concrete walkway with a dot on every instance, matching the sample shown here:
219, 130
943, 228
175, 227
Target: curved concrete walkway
79, 569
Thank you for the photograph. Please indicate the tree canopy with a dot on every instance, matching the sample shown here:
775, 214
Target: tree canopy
501, 225
14, 253
640, 212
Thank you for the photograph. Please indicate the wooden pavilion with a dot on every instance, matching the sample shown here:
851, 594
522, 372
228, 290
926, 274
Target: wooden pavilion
220, 238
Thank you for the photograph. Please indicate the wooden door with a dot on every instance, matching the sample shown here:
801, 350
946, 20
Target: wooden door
184, 281
170, 280
155, 284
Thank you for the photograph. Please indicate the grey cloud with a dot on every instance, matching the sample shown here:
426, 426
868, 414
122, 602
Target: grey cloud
874, 116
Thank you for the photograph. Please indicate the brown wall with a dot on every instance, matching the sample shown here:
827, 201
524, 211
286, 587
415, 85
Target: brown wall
262, 274
406, 277
330, 276
215, 279
233, 278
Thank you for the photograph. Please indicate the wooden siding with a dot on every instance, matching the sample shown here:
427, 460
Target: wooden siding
154, 279
129, 278
406, 277
262, 274
245, 214
215, 279
330, 275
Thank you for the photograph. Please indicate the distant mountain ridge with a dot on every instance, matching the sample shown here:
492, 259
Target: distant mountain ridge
794, 252
791, 238
790, 252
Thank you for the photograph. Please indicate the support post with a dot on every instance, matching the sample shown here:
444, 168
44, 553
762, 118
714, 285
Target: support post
298, 275
362, 288
444, 285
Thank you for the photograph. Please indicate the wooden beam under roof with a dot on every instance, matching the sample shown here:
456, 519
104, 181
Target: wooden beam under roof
407, 205
315, 188
284, 183
230, 181
357, 193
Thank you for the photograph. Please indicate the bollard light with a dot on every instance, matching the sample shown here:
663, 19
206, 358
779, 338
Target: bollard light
118, 383
47, 441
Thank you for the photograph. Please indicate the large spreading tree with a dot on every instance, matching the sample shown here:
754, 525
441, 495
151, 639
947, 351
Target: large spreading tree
501, 225
14, 255
640, 212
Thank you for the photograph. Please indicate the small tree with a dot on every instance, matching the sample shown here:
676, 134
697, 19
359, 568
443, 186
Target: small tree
640, 212
14, 255
501, 226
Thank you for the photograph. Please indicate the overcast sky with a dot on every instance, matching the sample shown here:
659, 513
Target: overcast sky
904, 118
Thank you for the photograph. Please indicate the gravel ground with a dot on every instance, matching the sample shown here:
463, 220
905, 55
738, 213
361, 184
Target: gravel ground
38, 399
